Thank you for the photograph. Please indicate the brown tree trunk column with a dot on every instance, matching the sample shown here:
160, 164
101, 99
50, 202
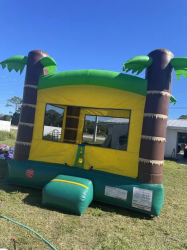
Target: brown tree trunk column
71, 126
26, 122
151, 156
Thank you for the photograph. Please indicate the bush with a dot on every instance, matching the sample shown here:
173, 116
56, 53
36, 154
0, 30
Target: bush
51, 138
6, 118
90, 130
5, 135
15, 118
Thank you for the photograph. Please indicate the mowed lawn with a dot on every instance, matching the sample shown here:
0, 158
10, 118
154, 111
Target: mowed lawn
9, 143
101, 227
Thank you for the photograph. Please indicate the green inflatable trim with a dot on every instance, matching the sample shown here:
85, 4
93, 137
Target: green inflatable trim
45, 172
15, 62
173, 100
80, 155
137, 64
180, 66
69, 193
103, 78
49, 63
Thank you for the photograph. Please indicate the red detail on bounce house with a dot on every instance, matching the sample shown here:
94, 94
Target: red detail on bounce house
29, 173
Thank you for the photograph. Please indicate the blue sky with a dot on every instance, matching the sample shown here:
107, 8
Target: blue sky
88, 34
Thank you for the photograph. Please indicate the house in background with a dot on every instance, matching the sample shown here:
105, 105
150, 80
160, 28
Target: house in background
5, 125
176, 134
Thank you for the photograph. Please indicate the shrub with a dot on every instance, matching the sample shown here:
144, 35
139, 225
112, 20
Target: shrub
49, 137
5, 135
90, 130
6, 118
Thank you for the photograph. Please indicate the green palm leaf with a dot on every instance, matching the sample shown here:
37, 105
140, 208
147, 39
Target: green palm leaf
137, 64
49, 63
180, 66
15, 62
173, 100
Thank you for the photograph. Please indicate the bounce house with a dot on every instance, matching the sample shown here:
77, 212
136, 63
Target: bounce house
94, 134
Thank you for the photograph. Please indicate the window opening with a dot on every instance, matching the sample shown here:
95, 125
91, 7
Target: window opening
53, 120
106, 132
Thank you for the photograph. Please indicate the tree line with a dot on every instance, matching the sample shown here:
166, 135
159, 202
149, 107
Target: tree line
14, 102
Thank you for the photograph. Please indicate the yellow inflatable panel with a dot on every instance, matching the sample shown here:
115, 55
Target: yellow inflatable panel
92, 97
111, 160
54, 152
94, 100
135, 131
106, 112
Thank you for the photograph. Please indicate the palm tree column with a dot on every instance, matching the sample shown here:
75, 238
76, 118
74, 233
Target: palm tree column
26, 123
152, 147
71, 126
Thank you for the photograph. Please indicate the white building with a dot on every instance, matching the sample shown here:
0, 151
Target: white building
176, 133
5, 125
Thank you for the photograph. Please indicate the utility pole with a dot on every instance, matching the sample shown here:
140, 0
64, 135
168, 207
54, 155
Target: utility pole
95, 129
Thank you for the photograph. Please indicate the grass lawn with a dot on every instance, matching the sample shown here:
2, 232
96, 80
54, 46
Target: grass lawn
89, 141
101, 227
8, 142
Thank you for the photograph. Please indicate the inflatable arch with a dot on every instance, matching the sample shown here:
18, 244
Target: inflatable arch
125, 167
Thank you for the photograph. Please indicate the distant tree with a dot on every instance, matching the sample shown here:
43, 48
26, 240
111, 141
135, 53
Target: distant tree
15, 102
15, 118
6, 118
183, 117
53, 118
90, 130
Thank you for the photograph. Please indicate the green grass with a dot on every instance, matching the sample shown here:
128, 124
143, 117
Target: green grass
102, 226
5, 135
89, 141
10, 137
9, 143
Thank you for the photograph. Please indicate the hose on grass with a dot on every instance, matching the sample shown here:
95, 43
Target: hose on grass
30, 230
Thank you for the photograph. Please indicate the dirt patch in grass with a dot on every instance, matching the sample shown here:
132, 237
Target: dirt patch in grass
101, 227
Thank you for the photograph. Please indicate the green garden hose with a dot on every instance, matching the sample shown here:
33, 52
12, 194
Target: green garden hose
28, 229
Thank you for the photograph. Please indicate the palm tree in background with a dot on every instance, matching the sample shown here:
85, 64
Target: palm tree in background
38, 63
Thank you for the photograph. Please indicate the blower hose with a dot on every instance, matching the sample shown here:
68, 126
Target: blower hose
29, 229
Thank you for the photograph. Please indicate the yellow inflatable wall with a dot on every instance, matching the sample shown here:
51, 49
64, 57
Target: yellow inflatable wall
93, 100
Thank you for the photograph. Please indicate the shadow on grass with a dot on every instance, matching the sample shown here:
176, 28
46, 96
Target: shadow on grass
34, 198
170, 159
109, 208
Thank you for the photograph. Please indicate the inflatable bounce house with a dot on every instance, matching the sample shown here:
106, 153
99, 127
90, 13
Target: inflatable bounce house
94, 134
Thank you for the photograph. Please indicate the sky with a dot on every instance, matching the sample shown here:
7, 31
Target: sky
88, 34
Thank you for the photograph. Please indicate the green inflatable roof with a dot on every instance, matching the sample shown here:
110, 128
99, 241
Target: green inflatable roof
103, 78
